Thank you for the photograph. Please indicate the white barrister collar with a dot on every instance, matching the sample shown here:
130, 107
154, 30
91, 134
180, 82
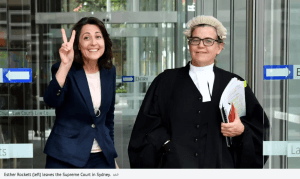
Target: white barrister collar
205, 79
205, 68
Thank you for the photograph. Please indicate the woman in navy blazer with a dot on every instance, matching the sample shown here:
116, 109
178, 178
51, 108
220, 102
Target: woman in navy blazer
83, 133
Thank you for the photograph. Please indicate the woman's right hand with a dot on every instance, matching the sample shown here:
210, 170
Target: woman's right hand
66, 51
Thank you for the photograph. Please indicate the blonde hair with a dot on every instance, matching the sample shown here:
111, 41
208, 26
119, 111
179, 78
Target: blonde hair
206, 20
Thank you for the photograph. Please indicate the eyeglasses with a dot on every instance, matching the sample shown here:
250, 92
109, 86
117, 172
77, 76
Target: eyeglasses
206, 41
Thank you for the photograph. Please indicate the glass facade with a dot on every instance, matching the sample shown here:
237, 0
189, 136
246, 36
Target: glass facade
147, 38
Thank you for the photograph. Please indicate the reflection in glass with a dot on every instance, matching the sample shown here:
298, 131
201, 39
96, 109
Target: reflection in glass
3, 37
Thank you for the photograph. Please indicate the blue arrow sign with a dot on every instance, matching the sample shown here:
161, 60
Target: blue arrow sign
127, 79
278, 72
15, 75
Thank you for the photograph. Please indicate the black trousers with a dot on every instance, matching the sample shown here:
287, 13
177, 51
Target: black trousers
96, 160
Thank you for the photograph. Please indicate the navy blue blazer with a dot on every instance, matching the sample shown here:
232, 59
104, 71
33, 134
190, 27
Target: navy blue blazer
76, 124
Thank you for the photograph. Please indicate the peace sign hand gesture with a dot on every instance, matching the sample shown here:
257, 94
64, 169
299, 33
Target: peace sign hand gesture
66, 51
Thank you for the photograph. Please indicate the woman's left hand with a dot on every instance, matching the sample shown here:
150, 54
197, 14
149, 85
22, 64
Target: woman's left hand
234, 128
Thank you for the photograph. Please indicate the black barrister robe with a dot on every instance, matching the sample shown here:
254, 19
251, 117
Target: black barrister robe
173, 109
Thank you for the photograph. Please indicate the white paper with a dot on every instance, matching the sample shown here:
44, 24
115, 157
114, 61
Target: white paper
234, 93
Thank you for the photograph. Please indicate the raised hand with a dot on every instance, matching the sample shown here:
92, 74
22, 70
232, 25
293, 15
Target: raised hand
66, 51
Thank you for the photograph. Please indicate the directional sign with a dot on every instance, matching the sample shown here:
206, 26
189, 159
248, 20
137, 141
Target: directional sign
16, 151
144, 78
296, 71
15, 75
276, 148
47, 112
278, 72
127, 79
137, 78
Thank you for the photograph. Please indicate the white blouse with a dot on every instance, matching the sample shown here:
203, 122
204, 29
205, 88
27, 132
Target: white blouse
95, 91
204, 78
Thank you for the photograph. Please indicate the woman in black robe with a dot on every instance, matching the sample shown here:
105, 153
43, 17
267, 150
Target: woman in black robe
179, 124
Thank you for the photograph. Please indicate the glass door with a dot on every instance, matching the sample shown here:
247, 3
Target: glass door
281, 93
143, 36
147, 38
17, 100
293, 105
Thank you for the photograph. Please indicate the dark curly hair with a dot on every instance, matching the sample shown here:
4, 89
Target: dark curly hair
105, 60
